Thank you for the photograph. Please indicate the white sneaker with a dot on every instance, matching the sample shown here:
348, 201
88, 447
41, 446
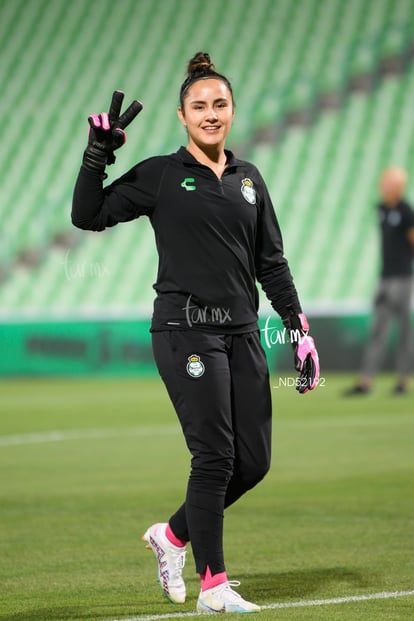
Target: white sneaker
222, 598
171, 560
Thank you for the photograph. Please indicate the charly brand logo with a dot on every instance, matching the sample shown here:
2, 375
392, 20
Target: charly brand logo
188, 184
248, 191
195, 367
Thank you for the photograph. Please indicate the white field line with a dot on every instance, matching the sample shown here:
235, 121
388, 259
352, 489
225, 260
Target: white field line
300, 604
364, 420
63, 435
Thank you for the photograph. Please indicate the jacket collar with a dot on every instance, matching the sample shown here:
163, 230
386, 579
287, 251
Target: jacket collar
187, 158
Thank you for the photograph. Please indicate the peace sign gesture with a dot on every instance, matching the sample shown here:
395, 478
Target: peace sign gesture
107, 133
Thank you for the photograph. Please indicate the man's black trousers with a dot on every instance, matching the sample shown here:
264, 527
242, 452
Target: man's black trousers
219, 386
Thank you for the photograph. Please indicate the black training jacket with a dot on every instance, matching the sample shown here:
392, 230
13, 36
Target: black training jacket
397, 250
215, 238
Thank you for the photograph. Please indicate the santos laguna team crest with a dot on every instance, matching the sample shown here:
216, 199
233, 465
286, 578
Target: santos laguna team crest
248, 191
195, 367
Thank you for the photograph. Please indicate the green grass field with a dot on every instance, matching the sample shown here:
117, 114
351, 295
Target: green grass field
87, 465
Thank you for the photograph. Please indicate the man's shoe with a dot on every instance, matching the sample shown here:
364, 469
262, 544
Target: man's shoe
171, 560
400, 389
222, 598
359, 389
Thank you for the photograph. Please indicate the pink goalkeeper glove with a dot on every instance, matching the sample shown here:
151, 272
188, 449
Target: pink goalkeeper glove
106, 133
306, 356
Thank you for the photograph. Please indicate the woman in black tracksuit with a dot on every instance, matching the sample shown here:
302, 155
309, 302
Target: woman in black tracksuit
216, 234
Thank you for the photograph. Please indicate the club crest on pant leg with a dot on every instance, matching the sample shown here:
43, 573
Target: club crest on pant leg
195, 367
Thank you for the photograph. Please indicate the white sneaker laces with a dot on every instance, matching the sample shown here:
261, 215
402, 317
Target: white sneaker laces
180, 559
228, 587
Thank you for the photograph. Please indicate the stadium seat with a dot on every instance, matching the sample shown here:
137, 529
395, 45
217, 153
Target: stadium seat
283, 58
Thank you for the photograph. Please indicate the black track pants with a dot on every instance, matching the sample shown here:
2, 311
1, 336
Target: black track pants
219, 386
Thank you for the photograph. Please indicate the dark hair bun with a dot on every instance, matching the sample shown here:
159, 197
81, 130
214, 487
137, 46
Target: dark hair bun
200, 67
200, 64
